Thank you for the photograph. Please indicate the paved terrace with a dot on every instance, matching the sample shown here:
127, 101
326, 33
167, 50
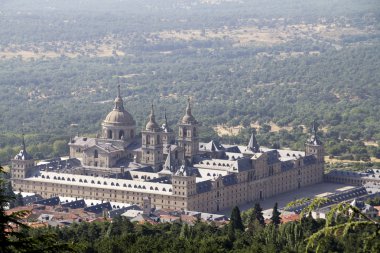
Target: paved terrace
317, 190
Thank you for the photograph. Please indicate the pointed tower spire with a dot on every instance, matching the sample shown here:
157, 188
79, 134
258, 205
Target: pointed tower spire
119, 104
152, 111
188, 108
23, 155
118, 91
314, 139
23, 142
188, 118
252, 144
166, 119
152, 124
165, 127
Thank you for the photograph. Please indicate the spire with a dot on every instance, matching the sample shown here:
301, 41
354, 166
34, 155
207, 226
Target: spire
119, 105
152, 124
152, 113
23, 155
118, 91
188, 118
314, 139
23, 142
252, 144
165, 126
166, 119
188, 108
315, 127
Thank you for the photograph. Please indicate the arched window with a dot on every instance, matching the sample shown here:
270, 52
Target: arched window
195, 132
148, 139
158, 139
121, 134
184, 132
109, 134
96, 155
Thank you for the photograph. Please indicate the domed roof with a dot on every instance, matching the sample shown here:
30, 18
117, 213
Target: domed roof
152, 124
188, 118
119, 116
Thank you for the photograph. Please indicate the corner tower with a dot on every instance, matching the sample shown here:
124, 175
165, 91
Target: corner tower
314, 146
152, 148
119, 123
188, 134
22, 163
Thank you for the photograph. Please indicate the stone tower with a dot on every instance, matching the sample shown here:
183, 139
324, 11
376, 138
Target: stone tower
314, 146
188, 138
152, 147
22, 163
184, 182
119, 123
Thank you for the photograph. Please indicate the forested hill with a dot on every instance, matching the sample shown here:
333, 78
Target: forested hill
283, 62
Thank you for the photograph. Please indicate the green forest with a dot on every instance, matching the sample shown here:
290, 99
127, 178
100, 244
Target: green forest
60, 63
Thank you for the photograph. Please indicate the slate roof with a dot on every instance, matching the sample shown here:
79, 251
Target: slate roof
23, 155
272, 157
204, 186
98, 208
49, 202
334, 198
75, 204
229, 180
287, 165
27, 200
309, 159
117, 212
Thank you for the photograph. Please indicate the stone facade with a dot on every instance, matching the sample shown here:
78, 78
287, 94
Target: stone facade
174, 174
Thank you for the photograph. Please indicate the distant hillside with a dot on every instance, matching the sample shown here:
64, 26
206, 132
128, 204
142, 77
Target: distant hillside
59, 67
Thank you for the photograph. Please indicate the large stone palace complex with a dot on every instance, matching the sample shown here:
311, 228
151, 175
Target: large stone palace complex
166, 171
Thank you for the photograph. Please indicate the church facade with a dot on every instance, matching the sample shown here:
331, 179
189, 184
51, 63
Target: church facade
178, 173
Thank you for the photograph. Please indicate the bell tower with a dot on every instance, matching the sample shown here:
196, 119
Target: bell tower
152, 148
188, 138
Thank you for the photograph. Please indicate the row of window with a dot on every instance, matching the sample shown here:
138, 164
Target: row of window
105, 183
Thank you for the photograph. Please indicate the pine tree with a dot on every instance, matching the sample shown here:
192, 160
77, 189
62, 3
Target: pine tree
236, 221
276, 219
19, 200
257, 214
